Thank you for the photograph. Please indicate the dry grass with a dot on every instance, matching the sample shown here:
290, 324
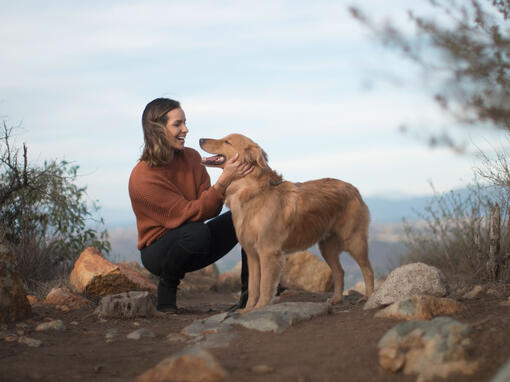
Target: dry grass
455, 235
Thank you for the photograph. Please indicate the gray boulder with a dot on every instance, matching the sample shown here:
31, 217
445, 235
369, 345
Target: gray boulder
272, 318
503, 374
127, 305
406, 281
430, 349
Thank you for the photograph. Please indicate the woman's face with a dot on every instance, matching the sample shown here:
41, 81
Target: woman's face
176, 128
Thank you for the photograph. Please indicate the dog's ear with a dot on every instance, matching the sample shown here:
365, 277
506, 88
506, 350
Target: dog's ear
255, 155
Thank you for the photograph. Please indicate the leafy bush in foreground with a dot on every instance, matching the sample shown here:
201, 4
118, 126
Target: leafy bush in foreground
45, 217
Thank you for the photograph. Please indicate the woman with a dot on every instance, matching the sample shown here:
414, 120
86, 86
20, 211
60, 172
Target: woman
172, 197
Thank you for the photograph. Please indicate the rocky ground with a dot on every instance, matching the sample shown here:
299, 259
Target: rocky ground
339, 346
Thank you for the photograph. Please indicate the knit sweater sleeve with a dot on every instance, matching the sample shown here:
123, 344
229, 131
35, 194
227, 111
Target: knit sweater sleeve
159, 200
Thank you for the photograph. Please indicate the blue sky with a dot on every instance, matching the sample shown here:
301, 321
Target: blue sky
301, 78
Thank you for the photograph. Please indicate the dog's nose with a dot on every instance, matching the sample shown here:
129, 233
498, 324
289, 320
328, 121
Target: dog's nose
202, 141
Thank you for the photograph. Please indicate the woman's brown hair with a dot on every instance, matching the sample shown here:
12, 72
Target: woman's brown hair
157, 150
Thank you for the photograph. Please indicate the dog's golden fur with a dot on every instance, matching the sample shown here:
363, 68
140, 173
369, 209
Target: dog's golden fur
273, 217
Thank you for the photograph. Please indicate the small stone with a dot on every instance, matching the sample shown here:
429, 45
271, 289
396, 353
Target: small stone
51, 325
32, 342
492, 292
62, 296
98, 368
140, 333
20, 332
262, 369
506, 302
111, 333
11, 338
176, 338
75, 323
474, 293
421, 308
32, 300
391, 359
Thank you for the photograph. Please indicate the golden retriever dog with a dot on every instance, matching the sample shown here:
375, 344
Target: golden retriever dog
273, 217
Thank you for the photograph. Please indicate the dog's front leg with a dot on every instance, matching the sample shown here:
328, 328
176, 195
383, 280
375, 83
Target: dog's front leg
253, 280
270, 268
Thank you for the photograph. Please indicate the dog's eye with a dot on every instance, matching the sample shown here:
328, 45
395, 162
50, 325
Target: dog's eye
228, 143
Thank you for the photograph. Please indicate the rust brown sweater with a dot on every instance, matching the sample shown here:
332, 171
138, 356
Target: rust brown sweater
165, 197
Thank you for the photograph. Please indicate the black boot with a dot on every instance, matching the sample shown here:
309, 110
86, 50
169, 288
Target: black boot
243, 298
171, 275
167, 296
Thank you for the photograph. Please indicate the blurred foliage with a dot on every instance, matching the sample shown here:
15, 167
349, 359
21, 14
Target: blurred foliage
45, 216
466, 46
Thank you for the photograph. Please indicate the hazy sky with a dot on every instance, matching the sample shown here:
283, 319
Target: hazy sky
302, 78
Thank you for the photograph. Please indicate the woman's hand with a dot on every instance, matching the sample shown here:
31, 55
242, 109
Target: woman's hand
234, 169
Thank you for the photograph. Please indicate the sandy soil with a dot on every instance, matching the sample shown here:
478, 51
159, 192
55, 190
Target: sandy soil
341, 346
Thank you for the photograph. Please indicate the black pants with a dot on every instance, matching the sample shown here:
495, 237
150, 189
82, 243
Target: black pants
190, 247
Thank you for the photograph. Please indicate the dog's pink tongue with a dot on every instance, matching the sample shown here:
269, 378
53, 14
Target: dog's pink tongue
213, 159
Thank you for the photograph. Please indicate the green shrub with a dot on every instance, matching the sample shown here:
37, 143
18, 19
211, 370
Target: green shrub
45, 216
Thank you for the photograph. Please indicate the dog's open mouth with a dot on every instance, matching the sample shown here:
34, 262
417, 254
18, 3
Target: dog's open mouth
215, 160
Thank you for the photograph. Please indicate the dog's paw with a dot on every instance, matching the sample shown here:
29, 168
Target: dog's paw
335, 300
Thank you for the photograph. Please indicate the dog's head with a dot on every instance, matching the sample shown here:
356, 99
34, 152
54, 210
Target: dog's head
225, 148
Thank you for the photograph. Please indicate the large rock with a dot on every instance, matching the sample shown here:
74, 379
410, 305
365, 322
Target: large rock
430, 349
200, 280
278, 317
96, 276
271, 318
193, 364
503, 374
304, 270
14, 305
421, 308
406, 281
229, 281
63, 296
127, 305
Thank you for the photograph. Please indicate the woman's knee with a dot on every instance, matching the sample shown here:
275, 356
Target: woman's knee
152, 262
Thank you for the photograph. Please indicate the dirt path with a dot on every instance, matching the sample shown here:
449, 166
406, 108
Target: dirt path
341, 346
